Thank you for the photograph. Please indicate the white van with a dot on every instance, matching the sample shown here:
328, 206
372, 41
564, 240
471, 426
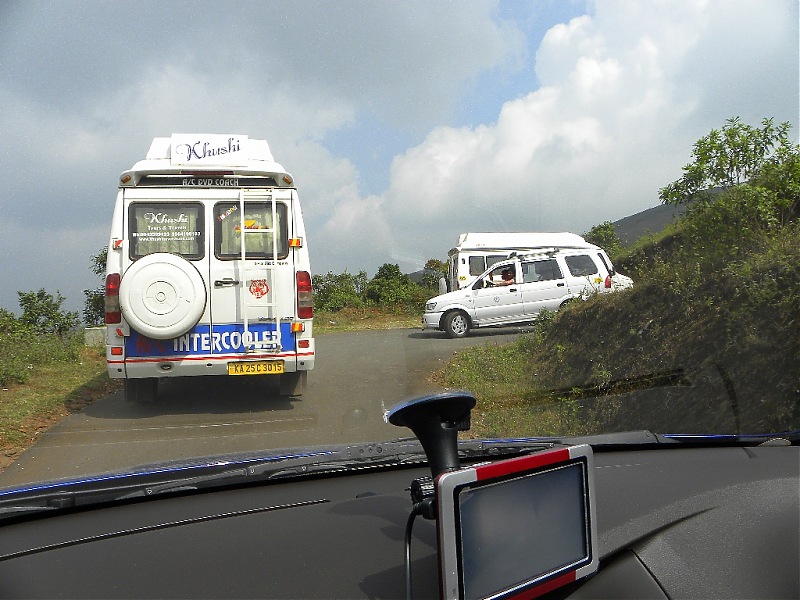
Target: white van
180, 298
476, 252
517, 289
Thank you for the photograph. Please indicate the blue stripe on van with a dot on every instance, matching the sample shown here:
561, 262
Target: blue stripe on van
225, 339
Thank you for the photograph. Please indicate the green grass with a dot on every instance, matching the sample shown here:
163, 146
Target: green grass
52, 392
356, 319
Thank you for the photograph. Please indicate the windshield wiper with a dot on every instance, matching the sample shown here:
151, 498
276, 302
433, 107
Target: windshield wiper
153, 480
647, 439
212, 472
747, 439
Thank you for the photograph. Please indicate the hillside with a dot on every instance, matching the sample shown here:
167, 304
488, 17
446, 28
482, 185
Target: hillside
707, 341
716, 355
651, 221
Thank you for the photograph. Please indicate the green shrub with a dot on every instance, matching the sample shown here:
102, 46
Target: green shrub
334, 292
27, 343
389, 289
605, 236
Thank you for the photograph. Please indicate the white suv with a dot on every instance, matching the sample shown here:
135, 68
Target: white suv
517, 289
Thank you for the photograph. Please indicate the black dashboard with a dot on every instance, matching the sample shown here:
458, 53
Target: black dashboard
671, 522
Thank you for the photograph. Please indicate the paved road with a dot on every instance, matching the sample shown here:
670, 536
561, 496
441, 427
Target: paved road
358, 376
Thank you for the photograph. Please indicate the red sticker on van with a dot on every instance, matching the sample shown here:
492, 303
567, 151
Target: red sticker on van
259, 288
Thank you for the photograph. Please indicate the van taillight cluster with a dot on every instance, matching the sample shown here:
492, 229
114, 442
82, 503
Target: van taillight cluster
608, 282
305, 296
113, 310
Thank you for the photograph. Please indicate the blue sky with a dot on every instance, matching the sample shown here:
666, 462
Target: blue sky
403, 123
480, 101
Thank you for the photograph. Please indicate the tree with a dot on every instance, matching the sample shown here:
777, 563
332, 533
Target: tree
757, 172
605, 236
42, 312
94, 307
433, 271
728, 157
334, 292
391, 287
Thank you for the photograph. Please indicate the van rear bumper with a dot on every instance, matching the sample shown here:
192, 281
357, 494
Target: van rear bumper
200, 365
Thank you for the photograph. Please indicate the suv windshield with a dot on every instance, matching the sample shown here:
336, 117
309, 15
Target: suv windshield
632, 167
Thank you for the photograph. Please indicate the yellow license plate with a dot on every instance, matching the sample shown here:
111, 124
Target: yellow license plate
264, 367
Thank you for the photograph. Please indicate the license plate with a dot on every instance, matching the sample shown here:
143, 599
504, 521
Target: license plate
264, 367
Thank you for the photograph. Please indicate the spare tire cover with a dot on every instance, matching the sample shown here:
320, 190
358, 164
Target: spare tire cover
162, 295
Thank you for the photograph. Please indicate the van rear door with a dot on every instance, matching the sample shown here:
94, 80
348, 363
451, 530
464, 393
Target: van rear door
252, 300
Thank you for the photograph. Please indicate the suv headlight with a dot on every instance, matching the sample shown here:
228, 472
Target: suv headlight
430, 306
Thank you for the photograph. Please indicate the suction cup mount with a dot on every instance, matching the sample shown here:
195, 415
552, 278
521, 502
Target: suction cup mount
436, 420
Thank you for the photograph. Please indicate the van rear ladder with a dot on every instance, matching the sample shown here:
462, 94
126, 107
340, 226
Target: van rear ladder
255, 276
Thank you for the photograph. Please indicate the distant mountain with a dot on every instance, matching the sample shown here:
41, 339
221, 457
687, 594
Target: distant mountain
646, 222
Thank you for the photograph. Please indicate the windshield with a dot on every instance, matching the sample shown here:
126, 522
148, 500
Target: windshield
348, 156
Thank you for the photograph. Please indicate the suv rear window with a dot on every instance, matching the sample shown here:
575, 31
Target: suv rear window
257, 218
173, 227
580, 265
541, 270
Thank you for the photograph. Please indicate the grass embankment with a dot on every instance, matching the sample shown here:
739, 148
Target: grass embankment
705, 342
51, 392
356, 319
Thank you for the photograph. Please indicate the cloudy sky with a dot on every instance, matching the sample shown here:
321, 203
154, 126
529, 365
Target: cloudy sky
403, 123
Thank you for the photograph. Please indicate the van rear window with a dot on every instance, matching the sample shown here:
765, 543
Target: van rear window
260, 234
173, 227
477, 265
581, 265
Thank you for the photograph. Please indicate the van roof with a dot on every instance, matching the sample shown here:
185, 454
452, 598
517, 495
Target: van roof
519, 241
531, 253
182, 153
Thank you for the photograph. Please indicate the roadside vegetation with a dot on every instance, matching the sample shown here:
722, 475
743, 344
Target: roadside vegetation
391, 299
46, 372
714, 314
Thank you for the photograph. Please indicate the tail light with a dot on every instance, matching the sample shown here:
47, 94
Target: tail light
608, 282
305, 296
113, 310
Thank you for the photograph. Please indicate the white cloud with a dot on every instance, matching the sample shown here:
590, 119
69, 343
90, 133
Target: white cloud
623, 98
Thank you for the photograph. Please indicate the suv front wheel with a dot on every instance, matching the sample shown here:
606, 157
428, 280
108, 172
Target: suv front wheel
456, 324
